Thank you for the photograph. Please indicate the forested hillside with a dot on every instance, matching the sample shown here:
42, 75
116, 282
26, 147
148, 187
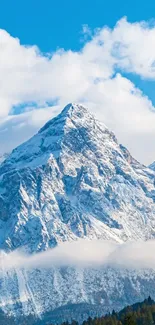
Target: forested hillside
138, 314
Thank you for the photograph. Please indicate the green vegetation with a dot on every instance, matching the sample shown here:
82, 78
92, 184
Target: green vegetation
138, 314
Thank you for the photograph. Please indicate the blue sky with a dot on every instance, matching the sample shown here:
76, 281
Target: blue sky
111, 70
51, 24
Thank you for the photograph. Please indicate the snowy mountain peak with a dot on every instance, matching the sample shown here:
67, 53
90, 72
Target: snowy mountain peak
75, 109
73, 127
68, 111
72, 180
72, 113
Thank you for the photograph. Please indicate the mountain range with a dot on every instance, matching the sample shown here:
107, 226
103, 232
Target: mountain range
73, 180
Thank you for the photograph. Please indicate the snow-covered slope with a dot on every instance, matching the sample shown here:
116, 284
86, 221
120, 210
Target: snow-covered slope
71, 180
99, 290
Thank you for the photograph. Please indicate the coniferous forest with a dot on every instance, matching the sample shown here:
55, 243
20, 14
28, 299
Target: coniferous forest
142, 313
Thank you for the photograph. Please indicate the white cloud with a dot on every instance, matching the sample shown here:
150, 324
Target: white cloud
133, 45
85, 253
87, 76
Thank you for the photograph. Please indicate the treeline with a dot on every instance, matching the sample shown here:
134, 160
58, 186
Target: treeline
138, 314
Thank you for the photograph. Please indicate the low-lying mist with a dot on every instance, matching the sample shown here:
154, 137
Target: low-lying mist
85, 253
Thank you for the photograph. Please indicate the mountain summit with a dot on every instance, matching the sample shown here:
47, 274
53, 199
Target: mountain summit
72, 179
52, 138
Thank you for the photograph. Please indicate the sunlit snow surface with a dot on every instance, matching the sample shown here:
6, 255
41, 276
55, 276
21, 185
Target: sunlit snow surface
73, 180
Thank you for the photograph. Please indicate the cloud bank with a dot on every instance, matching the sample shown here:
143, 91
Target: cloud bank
31, 83
85, 254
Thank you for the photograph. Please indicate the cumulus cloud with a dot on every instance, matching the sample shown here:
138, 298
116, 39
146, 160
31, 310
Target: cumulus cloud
85, 253
89, 77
